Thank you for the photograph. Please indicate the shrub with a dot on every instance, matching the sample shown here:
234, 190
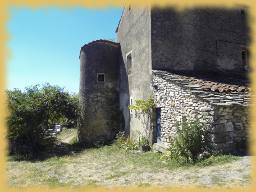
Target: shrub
144, 109
192, 139
144, 144
125, 143
144, 106
32, 113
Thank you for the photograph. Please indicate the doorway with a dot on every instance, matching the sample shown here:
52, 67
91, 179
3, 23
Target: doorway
158, 124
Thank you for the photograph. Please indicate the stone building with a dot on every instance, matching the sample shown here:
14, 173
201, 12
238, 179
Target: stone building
99, 85
193, 62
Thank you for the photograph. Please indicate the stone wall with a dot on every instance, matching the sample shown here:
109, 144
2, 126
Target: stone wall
134, 36
99, 101
176, 102
226, 121
230, 133
200, 41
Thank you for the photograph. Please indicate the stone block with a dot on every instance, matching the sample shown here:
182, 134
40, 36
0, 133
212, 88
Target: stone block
229, 126
218, 128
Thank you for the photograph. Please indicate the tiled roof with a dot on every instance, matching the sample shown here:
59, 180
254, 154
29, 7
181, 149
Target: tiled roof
212, 91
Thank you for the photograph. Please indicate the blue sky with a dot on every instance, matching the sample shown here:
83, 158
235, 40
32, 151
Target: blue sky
45, 43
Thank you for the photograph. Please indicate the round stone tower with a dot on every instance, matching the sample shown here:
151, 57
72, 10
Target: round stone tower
98, 94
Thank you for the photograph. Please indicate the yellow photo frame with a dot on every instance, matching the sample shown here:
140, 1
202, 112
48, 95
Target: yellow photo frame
179, 4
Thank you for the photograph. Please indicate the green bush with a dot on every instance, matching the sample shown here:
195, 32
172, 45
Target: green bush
143, 106
191, 141
124, 142
33, 112
143, 141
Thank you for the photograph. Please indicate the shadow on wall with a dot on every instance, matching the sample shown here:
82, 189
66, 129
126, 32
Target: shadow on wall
201, 42
99, 92
124, 97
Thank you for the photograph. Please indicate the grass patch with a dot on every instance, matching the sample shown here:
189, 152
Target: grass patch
108, 163
68, 135
217, 160
150, 160
56, 161
73, 141
53, 181
143, 185
116, 174
92, 183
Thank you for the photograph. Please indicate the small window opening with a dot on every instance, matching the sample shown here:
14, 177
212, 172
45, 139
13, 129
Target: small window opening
100, 77
242, 12
129, 63
245, 59
131, 100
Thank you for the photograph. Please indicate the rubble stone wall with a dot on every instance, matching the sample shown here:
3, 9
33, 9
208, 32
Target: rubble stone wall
230, 128
227, 123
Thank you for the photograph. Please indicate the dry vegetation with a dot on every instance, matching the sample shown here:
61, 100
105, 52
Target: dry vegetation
110, 165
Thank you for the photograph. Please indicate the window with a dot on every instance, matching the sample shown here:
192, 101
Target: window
242, 12
158, 124
100, 77
131, 100
245, 59
129, 62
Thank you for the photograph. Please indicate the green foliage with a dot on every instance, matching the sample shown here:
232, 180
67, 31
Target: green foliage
144, 106
74, 141
144, 144
191, 141
33, 112
217, 160
125, 143
143, 141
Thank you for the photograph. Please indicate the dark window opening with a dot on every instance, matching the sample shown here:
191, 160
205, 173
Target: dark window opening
100, 77
158, 124
242, 12
245, 59
129, 63
130, 100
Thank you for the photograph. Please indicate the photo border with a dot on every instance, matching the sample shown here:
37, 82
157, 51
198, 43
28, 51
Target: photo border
5, 55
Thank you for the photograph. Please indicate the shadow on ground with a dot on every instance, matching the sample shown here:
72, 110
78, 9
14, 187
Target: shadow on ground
58, 150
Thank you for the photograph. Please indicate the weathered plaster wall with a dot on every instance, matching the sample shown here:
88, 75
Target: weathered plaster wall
99, 102
199, 41
226, 121
134, 37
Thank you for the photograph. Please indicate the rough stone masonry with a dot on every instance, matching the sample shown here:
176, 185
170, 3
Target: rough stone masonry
193, 62
225, 115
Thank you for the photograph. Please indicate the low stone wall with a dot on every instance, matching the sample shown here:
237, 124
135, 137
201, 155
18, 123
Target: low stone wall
230, 128
227, 122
